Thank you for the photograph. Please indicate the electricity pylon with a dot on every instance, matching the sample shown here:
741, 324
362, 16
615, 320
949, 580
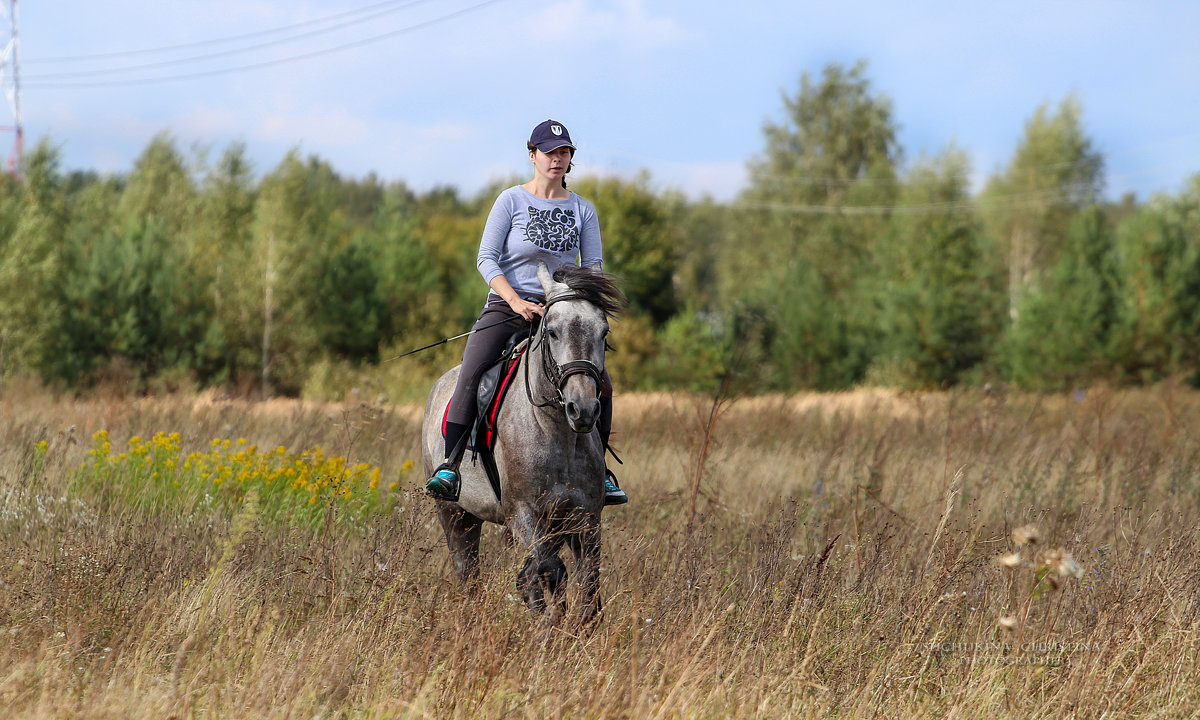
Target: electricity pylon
10, 81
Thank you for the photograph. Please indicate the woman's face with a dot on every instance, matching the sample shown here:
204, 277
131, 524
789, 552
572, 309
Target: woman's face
552, 165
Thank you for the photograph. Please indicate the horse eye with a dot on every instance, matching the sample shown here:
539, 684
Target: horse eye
551, 332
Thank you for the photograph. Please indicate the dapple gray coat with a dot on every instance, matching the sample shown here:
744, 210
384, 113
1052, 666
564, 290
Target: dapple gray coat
550, 458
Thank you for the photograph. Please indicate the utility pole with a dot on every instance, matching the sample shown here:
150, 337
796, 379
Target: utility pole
10, 79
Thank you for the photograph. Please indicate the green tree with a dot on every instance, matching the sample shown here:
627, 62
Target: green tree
160, 189
297, 225
30, 264
10, 205
932, 304
447, 230
817, 207
224, 247
1157, 330
129, 303
639, 246
1055, 173
691, 354
351, 312
1065, 334
701, 230
410, 282
159, 223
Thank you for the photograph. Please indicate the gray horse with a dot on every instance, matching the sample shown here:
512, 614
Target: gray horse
548, 451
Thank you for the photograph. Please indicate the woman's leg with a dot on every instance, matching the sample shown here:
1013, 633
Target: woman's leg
490, 333
605, 421
484, 345
613, 494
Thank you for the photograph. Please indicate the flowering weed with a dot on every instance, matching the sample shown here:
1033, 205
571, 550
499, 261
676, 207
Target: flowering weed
154, 474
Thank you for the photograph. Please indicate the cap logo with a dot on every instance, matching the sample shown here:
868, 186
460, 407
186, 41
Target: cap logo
556, 129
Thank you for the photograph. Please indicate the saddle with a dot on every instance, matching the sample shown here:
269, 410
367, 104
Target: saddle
490, 392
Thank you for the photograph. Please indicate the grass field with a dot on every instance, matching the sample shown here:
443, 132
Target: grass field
851, 556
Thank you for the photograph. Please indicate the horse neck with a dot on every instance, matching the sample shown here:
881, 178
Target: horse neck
539, 386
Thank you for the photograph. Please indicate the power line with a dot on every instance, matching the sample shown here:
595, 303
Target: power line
268, 63
223, 53
217, 41
964, 206
800, 179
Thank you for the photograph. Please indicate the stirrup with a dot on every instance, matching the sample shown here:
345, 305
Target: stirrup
613, 494
444, 483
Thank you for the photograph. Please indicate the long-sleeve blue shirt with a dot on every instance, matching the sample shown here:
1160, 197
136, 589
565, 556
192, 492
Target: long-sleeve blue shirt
523, 228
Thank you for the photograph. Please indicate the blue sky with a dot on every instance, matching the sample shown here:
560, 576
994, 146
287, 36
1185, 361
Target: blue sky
444, 92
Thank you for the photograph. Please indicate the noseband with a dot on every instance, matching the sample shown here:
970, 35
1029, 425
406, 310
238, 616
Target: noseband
559, 374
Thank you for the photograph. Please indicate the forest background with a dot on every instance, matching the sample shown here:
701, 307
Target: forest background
842, 264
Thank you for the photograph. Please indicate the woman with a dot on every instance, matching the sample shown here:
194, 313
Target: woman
540, 221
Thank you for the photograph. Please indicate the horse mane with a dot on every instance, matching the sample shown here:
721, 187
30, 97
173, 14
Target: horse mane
596, 286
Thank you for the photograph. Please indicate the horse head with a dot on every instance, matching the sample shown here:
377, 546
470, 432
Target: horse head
571, 338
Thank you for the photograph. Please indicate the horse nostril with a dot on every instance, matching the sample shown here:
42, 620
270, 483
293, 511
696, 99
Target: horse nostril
572, 409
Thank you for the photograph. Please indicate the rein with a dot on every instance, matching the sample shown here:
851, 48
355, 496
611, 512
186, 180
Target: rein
558, 374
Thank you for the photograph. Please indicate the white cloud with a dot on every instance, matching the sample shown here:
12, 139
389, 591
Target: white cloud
206, 122
626, 24
333, 129
722, 181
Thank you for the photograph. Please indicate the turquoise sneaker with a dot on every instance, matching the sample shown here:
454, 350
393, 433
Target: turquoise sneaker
613, 494
444, 483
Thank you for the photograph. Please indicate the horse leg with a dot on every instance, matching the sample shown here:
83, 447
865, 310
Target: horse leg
462, 539
539, 579
585, 545
543, 572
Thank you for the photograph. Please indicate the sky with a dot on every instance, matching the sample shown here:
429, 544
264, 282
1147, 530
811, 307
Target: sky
445, 92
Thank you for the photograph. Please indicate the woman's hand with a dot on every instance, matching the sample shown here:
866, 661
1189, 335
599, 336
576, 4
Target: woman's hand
526, 309
519, 305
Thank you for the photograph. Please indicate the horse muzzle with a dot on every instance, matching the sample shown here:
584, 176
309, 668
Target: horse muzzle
582, 410
578, 383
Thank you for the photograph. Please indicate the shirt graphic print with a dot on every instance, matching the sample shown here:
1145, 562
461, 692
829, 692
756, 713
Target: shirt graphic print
553, 229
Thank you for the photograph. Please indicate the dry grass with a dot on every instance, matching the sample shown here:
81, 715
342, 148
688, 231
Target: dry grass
843, 564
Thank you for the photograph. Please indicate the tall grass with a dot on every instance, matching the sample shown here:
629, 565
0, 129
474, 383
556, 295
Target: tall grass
853, 555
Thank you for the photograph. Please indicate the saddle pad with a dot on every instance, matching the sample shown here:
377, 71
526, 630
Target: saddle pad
485, 419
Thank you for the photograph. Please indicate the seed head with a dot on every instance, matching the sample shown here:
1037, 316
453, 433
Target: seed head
1068, 566
1061, 563
1026, 535
1008, 623
1011, 560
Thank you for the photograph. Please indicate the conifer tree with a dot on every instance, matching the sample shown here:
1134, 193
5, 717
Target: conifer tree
932, 298
1157, 330
31, 264
818, 203
1065, 334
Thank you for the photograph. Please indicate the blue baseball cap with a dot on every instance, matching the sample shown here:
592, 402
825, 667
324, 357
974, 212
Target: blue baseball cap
549, 136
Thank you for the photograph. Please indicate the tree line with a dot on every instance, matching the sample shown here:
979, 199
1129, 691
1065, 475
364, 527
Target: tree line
841, 264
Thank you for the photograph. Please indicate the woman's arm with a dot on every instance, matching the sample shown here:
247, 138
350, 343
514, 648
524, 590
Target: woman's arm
591, 250
495, 234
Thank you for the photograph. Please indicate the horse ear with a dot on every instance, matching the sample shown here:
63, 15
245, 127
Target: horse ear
549, 284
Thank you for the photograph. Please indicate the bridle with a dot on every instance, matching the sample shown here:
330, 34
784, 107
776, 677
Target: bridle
554, 372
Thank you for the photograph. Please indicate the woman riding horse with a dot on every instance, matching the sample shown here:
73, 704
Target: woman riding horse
539, 221
547, 458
